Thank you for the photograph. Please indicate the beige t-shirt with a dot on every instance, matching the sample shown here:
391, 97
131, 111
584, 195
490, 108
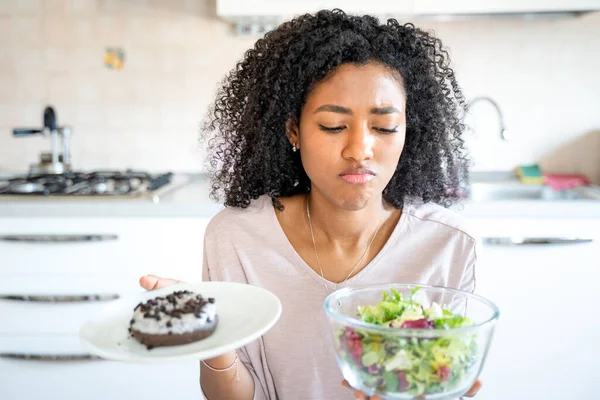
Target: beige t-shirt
296, 359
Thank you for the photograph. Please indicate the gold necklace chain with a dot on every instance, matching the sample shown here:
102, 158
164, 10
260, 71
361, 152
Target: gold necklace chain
336, 285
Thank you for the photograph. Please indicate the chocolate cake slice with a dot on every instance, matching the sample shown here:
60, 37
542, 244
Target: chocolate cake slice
179, 318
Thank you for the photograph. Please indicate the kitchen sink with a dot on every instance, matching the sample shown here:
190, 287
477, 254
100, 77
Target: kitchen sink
505, 186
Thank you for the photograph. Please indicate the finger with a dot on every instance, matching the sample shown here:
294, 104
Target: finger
474, 389
153, 282
360, 395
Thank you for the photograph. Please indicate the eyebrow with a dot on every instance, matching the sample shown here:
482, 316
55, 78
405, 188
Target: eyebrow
334, 108
347, 111
384, 110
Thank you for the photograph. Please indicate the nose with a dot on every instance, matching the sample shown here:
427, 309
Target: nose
359, 144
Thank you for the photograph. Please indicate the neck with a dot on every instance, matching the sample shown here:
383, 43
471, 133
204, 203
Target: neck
343, 227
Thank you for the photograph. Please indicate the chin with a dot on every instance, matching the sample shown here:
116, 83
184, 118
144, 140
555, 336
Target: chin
355, 203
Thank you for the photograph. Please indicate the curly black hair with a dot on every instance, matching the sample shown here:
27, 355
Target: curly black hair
249, 153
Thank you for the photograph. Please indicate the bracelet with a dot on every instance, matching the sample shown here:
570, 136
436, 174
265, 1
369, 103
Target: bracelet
234, 364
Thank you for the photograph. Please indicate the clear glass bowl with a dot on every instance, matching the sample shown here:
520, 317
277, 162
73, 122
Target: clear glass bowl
400, 363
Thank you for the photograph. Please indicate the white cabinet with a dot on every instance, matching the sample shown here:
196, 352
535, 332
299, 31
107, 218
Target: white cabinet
90, 379
235, 9
546, 342
241, 10
501, 6
117, 247
86, 260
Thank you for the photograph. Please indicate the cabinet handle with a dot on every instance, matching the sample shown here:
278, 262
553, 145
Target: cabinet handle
49, 357
528, 241
57, 238
60, 298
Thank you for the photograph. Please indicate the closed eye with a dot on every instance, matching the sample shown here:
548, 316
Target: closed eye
384, 130
336, 129
331, 128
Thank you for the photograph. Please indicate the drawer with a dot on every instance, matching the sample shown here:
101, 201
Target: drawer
74, 378
84, 246
26, 317
43, 345
38, 305
67, 285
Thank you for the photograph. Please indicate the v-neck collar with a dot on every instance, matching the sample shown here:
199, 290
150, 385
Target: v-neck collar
303, 265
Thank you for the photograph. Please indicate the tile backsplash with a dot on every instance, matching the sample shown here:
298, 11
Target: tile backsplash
146, 116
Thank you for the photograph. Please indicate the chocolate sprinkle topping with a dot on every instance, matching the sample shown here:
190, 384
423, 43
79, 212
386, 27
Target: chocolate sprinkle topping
153, 308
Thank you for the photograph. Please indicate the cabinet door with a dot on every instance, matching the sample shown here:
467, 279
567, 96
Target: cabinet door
288, 8
546, 341
121, 248
40, 353
501, 6
62, 376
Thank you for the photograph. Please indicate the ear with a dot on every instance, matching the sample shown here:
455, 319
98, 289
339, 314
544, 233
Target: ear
293, 133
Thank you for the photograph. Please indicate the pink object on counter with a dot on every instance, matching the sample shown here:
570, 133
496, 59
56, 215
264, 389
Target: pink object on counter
565, 181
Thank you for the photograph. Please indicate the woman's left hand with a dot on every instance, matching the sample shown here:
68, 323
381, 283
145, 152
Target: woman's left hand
359, 394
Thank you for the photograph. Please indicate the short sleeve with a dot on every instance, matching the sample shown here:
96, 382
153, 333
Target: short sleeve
468, 281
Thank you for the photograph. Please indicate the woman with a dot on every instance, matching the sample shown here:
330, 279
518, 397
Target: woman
332, 141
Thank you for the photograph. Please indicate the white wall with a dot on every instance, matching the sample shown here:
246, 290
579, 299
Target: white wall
544, 74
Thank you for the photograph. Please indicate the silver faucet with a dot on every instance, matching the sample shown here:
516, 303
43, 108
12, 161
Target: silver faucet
503, 131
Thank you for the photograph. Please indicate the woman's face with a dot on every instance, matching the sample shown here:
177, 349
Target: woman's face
351, 133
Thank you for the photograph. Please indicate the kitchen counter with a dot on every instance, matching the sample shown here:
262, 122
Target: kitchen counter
531, 208
188, 197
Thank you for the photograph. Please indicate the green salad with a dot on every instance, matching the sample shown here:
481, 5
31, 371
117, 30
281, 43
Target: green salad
401, 363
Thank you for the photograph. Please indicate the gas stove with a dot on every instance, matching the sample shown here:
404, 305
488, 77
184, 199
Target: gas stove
95, 184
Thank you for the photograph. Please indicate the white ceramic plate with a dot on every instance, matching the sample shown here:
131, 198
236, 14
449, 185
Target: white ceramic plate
245, 313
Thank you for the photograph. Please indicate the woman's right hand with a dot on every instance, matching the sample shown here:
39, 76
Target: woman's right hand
153, 282
214, 384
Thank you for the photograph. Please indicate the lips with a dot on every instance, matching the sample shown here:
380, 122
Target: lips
358, 176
